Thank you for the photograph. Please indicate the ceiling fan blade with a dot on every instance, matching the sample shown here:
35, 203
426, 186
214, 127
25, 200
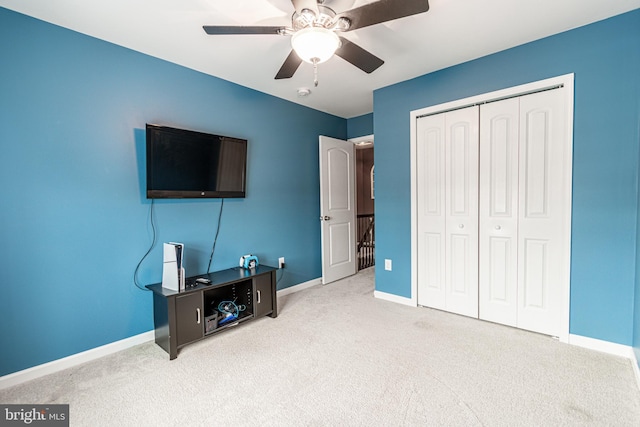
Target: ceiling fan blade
383, 11
289, 66
359, 57
300, 5
231, 30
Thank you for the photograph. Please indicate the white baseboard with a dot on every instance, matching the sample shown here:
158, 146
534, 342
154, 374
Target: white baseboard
602, 346
98, 352
74, 360
299, 287
394, 298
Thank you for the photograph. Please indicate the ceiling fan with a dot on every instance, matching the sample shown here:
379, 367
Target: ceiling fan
315, 27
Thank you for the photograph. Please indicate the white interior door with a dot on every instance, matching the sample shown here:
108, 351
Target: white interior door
524, 206
523, 212
498, 250
493, 211
447, 155
337, 208
544, 212
431, 218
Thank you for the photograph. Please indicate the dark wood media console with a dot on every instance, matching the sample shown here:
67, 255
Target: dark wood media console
181, 318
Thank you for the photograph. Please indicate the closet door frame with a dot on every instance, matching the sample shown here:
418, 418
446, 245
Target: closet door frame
566, 81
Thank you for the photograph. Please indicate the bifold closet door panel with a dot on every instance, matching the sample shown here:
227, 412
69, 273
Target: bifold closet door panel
431, 202
447, 177
544, 230
498, 217
461, 227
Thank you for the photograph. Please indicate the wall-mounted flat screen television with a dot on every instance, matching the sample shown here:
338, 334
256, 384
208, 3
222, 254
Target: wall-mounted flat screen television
189, 164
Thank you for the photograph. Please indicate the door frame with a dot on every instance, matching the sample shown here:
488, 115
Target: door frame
567, 81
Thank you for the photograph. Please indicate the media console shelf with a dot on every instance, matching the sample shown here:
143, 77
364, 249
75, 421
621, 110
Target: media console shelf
181, 318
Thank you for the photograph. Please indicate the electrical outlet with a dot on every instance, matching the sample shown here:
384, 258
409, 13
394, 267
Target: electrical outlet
387, 264
281, 262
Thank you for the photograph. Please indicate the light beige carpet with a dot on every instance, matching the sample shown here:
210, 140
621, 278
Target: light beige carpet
337, 356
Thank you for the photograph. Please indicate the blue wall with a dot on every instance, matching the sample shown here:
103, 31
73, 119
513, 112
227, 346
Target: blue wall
605, 58
636, 300
360, 126
75, 220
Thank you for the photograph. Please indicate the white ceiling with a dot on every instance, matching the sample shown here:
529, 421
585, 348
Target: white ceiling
451, 32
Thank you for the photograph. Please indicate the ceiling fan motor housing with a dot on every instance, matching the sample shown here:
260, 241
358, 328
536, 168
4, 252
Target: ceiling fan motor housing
324, 19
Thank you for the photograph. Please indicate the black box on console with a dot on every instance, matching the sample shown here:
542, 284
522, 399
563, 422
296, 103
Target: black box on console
211, 323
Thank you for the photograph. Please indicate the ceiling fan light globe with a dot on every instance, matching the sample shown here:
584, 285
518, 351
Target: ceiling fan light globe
315, 44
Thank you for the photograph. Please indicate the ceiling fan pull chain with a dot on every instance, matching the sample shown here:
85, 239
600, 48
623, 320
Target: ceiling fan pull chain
315, 72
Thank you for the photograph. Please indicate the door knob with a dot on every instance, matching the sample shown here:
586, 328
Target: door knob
461, 226
498, 227
326, 218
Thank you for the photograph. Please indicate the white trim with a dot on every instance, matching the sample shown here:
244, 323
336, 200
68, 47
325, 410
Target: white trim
413, 171
364, 138
602, 346
105, 350
527, 88
567, 81
74, 360
394, 298
299, 287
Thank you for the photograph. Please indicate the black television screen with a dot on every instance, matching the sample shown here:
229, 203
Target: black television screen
188, 164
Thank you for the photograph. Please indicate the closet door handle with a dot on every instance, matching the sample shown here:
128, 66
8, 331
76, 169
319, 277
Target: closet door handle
258, 299
198, 317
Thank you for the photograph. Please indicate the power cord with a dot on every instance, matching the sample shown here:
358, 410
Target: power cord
153, 244
281, 276
215, 240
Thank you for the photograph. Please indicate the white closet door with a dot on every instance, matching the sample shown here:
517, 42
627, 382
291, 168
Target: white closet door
430, 170
498, 229
447, 154
544, 208
461, 272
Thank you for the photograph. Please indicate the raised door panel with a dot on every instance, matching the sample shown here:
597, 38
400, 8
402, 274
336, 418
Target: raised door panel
498, 215
543, 242
340, 253
430, 156
339, 165
461, 216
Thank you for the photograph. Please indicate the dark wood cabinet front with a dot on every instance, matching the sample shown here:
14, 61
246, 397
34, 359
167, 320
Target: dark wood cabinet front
189, 320
180, 316
263, 299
